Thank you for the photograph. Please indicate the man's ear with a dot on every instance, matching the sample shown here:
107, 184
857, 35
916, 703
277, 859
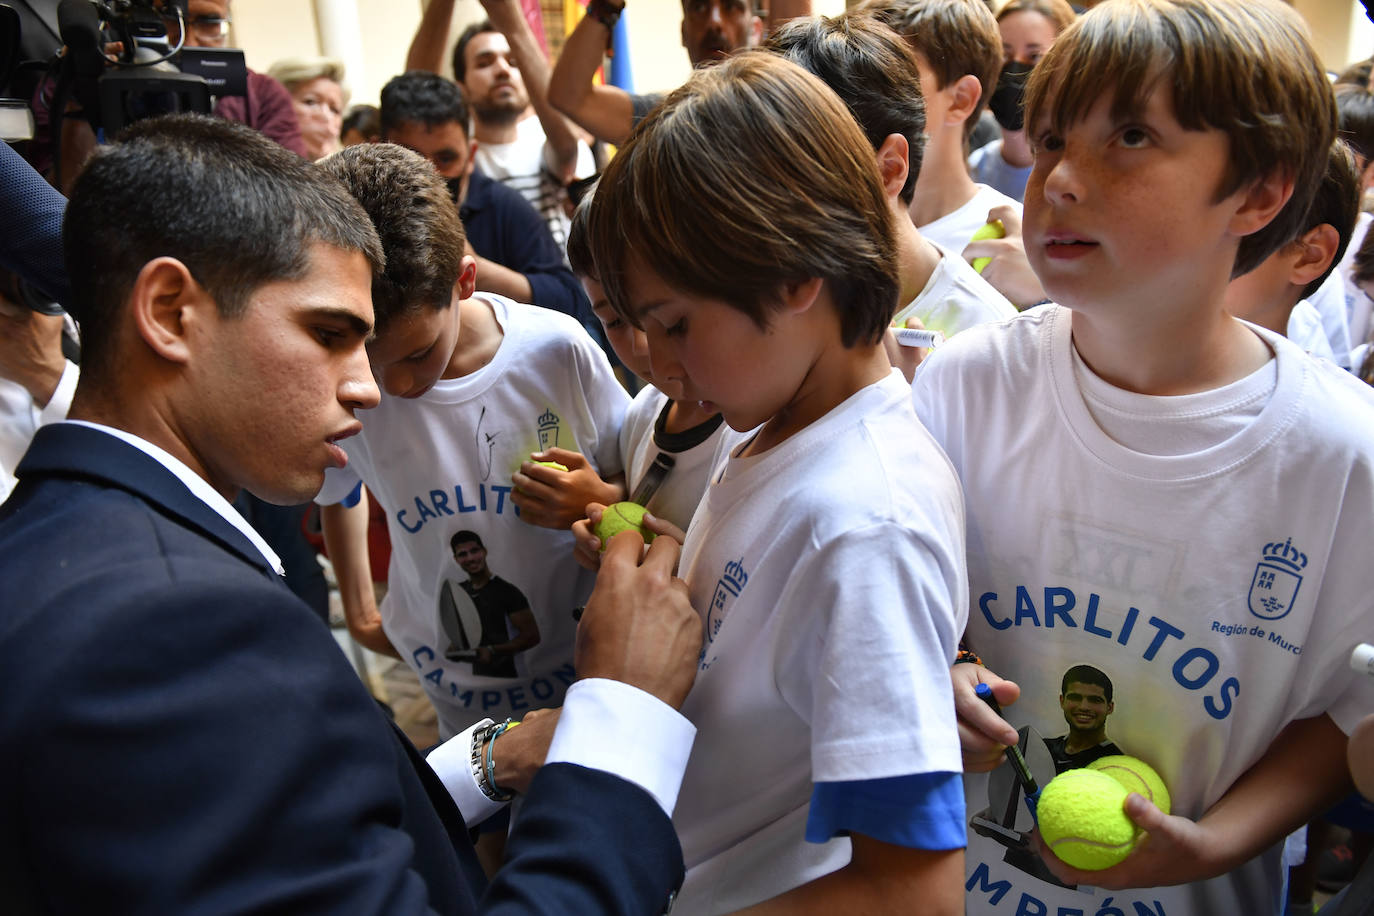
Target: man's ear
756, 32
467, 278
1315, 249
964, 94
1261, 202
164, 303
894, 162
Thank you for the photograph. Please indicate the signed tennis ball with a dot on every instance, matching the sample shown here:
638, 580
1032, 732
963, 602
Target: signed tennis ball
992, 230
620, 517
1137, 776
1083, 822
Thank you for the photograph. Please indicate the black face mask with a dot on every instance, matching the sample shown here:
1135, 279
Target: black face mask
1009, 97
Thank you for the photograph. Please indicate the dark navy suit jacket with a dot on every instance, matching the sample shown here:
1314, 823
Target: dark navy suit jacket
179, 734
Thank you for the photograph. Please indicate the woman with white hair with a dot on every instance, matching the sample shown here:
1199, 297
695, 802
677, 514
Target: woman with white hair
316, 87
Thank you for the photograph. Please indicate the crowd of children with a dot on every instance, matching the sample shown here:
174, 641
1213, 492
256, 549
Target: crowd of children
1140, 448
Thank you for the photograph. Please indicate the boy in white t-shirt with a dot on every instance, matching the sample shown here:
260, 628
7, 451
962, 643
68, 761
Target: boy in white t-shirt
1276, 294
470, 386
825, 556
1182, 500
878, 77
682, 437
959, 50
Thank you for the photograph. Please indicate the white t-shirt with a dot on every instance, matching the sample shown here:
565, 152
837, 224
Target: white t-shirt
955, 230
1305, 329
681, 491
956, 297
1357, 304
524, 165
1221, 590
442, 463
829, 575
987, 166
1329, 302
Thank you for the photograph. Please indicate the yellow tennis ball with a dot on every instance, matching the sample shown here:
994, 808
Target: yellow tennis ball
992, 230
552, 464
1082, 819
1137, 776
620, 517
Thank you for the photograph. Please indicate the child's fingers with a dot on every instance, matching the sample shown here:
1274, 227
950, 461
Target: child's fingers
569, 459
663, 527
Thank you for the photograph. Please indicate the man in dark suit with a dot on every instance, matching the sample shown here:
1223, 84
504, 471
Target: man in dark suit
179, 734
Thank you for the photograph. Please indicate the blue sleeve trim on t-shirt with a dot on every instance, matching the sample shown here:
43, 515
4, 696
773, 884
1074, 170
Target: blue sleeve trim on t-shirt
352, 499
918, 811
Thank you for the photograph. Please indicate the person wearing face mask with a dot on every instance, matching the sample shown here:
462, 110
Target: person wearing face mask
1028, 29
317, 91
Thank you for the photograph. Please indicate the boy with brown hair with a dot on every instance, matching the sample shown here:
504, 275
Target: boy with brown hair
1277, 294
826, 556
1158, 516
959, 50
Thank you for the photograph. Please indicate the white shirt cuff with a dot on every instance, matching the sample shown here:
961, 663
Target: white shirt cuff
452, 761
61, 400
609, 725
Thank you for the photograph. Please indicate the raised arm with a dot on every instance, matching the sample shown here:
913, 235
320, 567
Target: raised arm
607, 112
509, 18
431, 38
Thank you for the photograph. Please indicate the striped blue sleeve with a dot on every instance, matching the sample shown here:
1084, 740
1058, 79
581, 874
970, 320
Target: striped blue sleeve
918, 811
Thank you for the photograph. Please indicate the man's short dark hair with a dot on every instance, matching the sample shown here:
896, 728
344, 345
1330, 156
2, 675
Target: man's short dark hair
464, 537
235, 208
1086, 674
421, 97
873, 71
418, 223
460, 47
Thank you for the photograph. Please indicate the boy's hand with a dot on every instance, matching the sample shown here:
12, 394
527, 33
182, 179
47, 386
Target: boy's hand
587, 550
587, 546
983, 735
1009, 272
639, 627
904, 358
1175, 851
551, 498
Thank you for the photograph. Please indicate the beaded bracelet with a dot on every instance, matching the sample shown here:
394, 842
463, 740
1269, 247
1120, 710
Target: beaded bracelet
488, 783
967, 656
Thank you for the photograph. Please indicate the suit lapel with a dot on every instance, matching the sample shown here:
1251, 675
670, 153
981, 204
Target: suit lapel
79, 452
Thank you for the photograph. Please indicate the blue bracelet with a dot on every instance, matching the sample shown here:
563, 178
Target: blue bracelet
495, 793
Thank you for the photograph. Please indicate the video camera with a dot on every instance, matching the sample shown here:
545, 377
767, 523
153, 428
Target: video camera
121, 60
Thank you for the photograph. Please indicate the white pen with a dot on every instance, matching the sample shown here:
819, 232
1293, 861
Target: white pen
918, 337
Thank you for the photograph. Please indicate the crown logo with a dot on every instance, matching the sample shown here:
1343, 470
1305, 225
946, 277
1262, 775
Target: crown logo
1286, 555
735, 576
548, 419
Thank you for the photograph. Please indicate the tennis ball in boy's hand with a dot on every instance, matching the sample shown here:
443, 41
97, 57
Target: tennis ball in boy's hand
1083, 821
1137, 776
992, 230
620, 517
553, 464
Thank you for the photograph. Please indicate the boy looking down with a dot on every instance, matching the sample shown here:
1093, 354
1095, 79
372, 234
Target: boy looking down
825, 558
